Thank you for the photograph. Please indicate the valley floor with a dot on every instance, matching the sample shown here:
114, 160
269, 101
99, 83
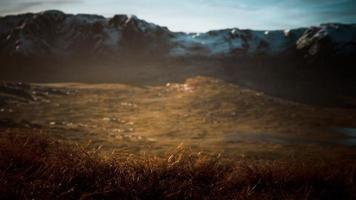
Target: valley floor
203, 113
204, 116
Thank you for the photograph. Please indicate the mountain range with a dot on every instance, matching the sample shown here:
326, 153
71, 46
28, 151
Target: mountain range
53, 46
59, 34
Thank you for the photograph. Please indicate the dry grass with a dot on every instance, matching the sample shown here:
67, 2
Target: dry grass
38, 167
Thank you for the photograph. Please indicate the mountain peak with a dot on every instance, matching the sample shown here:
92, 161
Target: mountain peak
52, 12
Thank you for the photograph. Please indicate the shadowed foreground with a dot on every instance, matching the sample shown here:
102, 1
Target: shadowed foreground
38, 167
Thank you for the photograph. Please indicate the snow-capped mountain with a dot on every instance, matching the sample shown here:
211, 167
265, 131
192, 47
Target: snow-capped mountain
59, 34
54, 33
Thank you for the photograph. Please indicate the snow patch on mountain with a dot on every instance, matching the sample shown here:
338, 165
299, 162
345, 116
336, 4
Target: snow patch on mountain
59, 34
230, 41
340, 37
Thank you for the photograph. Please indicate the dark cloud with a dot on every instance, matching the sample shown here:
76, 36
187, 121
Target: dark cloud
17, 6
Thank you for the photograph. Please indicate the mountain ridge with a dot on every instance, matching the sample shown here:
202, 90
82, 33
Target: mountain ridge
53, 31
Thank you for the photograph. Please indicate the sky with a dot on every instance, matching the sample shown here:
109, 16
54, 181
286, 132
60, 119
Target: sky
204, 15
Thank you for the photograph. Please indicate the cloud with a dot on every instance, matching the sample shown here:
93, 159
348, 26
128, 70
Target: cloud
17, 6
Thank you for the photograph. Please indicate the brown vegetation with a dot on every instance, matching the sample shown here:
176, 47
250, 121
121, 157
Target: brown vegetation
38, 167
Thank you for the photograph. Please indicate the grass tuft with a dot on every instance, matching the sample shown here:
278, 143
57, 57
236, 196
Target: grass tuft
38, 167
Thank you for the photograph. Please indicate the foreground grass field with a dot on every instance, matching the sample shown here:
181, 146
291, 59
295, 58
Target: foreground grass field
39, 167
